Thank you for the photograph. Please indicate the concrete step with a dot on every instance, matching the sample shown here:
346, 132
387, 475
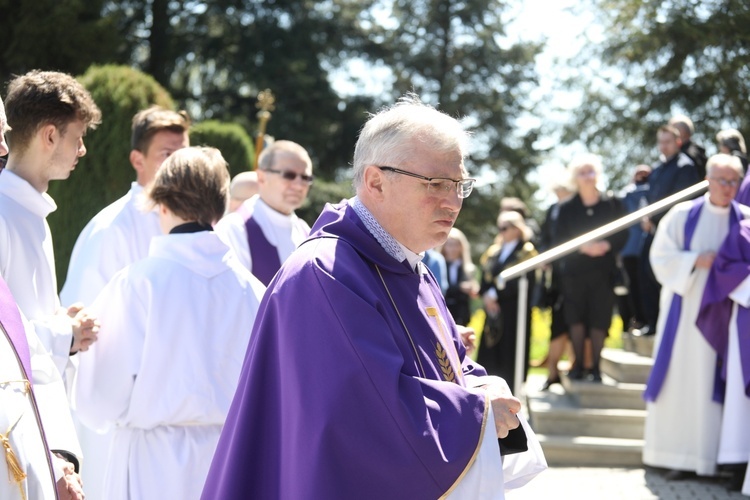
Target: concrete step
639, 345
602, 422
624, 366
607, 394
644, 345
572, 451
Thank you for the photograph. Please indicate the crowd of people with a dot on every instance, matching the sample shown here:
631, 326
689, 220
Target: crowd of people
208, 343
208, 349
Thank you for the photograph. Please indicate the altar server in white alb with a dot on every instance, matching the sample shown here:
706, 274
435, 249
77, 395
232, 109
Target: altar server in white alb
34, 416
264, 231
121, 233
683, 422
175, 327
48, 114
116, 237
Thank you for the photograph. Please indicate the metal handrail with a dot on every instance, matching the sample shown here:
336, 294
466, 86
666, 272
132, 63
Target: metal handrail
522, 269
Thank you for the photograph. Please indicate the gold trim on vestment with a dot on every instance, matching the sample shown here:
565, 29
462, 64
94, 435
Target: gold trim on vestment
476, 450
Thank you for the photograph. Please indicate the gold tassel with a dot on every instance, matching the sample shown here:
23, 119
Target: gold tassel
16, 473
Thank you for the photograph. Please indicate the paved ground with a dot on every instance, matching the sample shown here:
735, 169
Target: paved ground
586, 483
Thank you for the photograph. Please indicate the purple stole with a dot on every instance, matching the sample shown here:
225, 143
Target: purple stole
10, 319
265, 257
729, 270
664, 354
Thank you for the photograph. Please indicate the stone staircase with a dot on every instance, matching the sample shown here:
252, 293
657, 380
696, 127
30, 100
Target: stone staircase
591, 424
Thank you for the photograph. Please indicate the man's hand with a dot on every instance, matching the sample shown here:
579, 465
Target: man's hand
705, 260
69, 486
85, 329
468, 338
504, 406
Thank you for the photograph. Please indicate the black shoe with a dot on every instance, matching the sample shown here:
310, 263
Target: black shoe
575, 373
595, 375
549, 383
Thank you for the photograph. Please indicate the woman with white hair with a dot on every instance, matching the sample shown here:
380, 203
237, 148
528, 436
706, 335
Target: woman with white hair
497, 351
587, 275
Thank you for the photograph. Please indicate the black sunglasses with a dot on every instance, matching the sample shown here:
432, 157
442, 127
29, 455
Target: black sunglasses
291, 176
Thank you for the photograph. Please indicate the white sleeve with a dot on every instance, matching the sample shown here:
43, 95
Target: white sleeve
741, 294
484, 478
106, 372
55, 333
672, 265
50, 396
231, 229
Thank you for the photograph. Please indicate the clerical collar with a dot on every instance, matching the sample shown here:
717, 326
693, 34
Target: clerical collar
277, 218
190, 227
392, 246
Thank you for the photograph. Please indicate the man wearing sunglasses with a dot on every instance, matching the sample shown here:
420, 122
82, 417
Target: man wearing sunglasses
264, 231
356, 383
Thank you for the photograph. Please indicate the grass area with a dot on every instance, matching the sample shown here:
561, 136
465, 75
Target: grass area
540, 331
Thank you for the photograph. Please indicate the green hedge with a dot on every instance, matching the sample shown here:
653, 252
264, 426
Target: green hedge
105, 173
231, 139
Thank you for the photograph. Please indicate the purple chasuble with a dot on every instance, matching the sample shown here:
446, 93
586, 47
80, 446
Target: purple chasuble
729, 270
664, 355
10, 319
336, 400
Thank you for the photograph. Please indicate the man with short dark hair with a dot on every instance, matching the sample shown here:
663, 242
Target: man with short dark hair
264, 230
48, 113
121, 232
355, 382
38, 437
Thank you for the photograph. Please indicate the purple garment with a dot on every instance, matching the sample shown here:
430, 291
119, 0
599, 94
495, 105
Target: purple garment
743, 193
333, 401
265, 257
10, 319
729, 270
664, 354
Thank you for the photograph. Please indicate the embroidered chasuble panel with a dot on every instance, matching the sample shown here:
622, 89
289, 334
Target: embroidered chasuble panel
428, 330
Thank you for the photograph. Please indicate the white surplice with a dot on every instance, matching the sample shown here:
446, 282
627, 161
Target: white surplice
114, 238
27, 263
174, 331
22, 413
281, 231
683, 424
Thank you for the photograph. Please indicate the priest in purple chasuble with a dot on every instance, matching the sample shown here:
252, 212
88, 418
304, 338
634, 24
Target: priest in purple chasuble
355, 382
682, 253
724, 320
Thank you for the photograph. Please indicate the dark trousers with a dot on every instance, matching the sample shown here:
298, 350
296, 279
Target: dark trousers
650, 288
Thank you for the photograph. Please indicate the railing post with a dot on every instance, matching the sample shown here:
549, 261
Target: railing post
523, 296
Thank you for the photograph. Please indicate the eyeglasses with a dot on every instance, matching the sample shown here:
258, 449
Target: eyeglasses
726, 182
440, 185
291, 176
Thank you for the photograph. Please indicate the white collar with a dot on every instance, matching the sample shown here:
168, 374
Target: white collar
23, 193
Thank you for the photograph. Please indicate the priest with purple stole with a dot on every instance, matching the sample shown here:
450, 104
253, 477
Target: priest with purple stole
724, 320
356, 383
264, 230
682, 433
